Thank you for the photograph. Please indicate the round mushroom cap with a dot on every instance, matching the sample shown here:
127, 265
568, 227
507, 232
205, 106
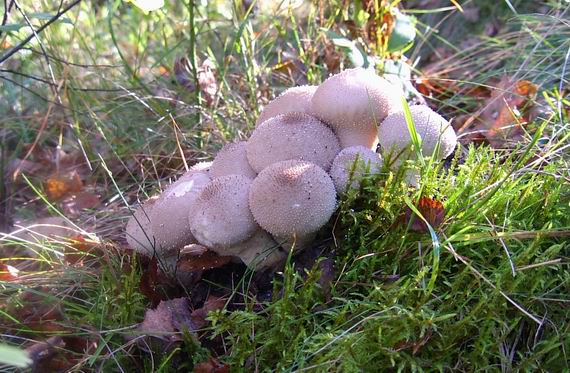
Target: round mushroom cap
432, 128
138, 231
169, 216
232, 160
292, 136
354, 102
220, 217
292, 198
344, 168
260, 251
293, 100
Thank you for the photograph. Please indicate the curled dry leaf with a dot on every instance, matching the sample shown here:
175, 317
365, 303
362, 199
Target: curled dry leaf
78, 249
75, 203
58, 186
8, 273
433, 212
204, 261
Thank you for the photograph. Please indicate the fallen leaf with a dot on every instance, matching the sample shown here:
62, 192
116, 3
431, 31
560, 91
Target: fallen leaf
205, 75
433, 212
75, 203
8, 273
198, 316
149, 284
207, 260
79, 248
60, 185
212, 365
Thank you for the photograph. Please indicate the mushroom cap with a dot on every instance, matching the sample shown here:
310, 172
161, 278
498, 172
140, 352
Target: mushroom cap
260, 251
354, 102
139, 231
232, 160
432, 128
169, 216
293, 100
292, 198
292, 136
220, 216
369, 163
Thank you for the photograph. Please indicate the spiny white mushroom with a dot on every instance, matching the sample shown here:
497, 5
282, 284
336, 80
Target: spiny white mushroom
292, 136
260, 251
220, 217
431, 127
139, 231
232, 160
169, 216
354, 102
296, 99
355, 161
292, 199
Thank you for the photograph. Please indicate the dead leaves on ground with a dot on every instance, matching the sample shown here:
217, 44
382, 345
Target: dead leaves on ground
503, 107
431, 210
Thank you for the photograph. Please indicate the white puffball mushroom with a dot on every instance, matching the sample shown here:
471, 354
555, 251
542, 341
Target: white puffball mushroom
220, 217
292, 199
169, 216
354, 102
431, 127
260, 251
293, 100
367, 161
292, 136
138, 231
232, 160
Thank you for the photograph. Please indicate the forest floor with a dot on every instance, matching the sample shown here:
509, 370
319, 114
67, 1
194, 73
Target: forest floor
103, 105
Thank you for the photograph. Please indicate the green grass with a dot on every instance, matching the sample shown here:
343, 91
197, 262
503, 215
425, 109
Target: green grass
486, 290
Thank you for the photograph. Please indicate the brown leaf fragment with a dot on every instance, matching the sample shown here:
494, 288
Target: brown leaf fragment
8, 273
212, 365
42, 352
171, 316
79, 249
207, 260
199, 315
150, 281
58, 186
75, 203
433, 212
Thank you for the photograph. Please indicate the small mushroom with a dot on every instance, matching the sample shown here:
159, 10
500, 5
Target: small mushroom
220, 217
431, 127
169, 216
292, 136
232, 160
293, 100
139, 233
292, 199
354, 102
345, 169
260, 251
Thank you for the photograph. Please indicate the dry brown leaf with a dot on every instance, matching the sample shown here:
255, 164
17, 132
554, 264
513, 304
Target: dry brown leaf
75, 203
206, 260
8, 273
432, 210
58, 186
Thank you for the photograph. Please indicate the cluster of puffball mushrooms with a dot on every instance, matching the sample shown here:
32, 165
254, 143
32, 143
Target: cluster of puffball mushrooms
261, 198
